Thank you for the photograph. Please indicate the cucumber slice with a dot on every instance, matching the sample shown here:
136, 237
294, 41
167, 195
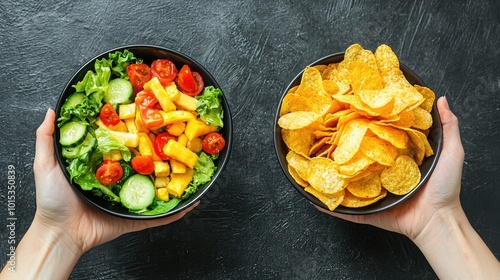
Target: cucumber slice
119, 91
73, 100
78, 151
72, 133
138, 192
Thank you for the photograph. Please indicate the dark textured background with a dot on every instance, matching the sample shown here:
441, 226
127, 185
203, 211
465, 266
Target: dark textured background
253, 224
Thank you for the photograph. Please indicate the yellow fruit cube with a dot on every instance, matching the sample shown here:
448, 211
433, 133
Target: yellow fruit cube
126, 138
194, 144
126, 111
197, 127
177, 128
179, 182
158, 90
179, 152
177, 167
186, 102
162, 193
162, 168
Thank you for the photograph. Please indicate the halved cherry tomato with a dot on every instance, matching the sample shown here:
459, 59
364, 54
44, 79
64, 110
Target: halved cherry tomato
152, 118
164, 70
108, 115
160, 141
139, 74
190, 83
109, 172
213, 143
145, 99
143, 165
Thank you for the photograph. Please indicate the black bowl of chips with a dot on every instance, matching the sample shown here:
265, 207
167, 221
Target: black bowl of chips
357, 132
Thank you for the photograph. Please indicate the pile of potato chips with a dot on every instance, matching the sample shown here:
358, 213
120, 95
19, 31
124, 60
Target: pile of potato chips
356, 129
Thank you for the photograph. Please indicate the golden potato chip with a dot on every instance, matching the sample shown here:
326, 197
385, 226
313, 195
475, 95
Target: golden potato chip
323, 175
328, 73
294, 102
379, 150
311, 87
423, 119
418, 147
350, 140
376, 98
299, 163
320, 68
318, 145
398, 138
386, 59
362, 75
353, 201
429, 97
401, 178
332, 201
330, 87
297, 120
303, 183
300, 140
425, 142
356, 165
406, 119
368, 186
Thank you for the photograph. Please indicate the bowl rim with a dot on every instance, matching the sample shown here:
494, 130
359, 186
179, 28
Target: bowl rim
221, 161
430, 162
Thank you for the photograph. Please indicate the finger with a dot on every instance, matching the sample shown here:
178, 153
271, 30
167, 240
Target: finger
451, 131
352, 218
44, 148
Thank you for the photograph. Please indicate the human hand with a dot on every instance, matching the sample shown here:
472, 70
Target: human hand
60, 210
439, 196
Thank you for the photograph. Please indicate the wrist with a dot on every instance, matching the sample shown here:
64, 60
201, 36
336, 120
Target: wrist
45, 252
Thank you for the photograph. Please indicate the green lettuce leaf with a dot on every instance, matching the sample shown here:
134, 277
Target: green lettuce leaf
106, 143
203, 170
160, 206
120, 61
209, 106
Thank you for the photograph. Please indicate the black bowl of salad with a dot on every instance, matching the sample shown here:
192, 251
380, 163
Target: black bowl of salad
142, 131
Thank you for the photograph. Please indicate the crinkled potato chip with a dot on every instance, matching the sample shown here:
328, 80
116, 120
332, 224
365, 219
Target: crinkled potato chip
330, 200
429, 96
297, 120
350, 140
299, 163
295, 175
368, 186
401, 178
323, 175
294, 102
356, 129
353, 201
379, 150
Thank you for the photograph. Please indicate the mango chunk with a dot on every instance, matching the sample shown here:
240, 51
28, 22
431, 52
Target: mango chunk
179, 152
158, 90
179, 182
197, 127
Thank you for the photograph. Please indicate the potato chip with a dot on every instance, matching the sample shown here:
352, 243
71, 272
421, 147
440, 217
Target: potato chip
423, 119
379, 150
299, 163
328, 73
353, 201
294, 102
401, 178
300, 140
311, 87
356, 165
406, 119
368, 186
429, 97
398, 138
323, 175
386, 59
330, 87
295, 175
330, 200
297, 120
376, 98
417, 145
350, 140
318, 145
362, 75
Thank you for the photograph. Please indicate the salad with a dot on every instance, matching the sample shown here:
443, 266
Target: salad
141, 135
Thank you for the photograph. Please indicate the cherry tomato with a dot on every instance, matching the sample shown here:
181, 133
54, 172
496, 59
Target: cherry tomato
160, 141
190, 83
145, 99
108, 115
152, 118
143, 165
109, 172
139, 74
164, 70
213, 143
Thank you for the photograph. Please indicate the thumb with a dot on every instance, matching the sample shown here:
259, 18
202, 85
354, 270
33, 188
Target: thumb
44, 148
452, 145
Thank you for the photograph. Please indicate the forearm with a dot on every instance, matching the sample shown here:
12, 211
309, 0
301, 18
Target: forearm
43, 253
455, 250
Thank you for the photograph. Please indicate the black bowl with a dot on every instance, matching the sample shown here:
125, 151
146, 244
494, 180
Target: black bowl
148, 53
391, 200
